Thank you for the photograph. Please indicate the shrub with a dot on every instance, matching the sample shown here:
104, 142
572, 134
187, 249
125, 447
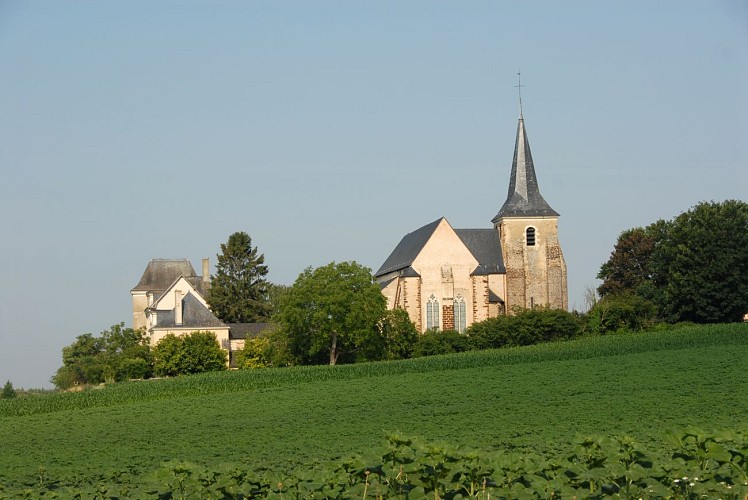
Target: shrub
621, 313
435, 342
196, 352
254, 354
525, 327
65, 377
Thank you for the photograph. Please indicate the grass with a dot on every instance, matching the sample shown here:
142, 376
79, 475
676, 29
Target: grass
525, 398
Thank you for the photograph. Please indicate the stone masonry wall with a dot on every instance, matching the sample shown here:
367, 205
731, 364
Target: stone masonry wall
535, 275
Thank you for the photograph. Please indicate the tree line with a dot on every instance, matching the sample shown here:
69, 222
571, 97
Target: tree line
693, 268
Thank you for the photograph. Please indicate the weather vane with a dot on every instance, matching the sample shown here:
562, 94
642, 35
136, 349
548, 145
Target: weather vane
519, 89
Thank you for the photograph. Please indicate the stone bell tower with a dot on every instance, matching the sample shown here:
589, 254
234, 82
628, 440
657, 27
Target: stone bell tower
528, 230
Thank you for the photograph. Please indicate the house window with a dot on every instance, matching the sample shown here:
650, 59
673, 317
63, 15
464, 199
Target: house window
432, 313
460, 320
530, 236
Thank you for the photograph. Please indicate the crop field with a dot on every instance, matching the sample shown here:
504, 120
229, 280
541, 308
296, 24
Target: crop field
532, 400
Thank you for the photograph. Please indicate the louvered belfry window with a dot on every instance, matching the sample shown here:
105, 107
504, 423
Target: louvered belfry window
530, 236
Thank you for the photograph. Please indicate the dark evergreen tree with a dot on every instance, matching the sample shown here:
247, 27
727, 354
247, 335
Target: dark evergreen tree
239, 290
8, 391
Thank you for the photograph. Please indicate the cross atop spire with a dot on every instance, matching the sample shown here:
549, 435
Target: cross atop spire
519, 89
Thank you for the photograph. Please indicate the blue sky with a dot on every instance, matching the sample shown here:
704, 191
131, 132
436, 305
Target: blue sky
328, 130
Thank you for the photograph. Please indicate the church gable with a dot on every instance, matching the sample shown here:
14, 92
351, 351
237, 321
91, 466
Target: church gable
407, 250
444, 248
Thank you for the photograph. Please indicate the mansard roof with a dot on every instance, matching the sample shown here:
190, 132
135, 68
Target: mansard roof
524, 198
408, 249
159, 274
194, 315
485, 246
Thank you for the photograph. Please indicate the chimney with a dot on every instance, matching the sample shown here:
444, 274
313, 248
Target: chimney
206, 272
178, 307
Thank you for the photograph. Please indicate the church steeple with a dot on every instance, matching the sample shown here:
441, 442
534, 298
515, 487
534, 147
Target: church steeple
524, 198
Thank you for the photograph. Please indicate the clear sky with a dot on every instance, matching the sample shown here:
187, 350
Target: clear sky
327, 130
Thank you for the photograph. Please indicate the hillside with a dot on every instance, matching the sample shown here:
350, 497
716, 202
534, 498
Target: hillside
527, 399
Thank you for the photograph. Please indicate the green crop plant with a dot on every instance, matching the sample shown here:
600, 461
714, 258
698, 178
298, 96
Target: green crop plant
517, 409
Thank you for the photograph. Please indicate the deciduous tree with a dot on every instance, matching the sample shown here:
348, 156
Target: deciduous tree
694, 268
116, 354
629, 265
239, 290
398, 333
331, 314
701, 264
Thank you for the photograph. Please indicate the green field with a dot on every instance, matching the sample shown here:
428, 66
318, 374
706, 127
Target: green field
533, 400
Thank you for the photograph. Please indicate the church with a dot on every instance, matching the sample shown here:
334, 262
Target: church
448, 279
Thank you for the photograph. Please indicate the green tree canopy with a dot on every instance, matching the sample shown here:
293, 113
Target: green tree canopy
398, 334
196, 352
116, 354
330, 314
629, 266
701, 264
239, 290
694, 268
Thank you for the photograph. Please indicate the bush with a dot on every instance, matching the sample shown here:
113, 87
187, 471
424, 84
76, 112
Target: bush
621, 313
196, 352
65, 377
254, 354
525, 327
435, 342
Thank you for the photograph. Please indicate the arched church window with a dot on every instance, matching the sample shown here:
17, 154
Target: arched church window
460, 319
530, 236
432, 313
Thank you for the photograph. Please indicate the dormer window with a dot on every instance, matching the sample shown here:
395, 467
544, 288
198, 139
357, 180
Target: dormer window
530, 236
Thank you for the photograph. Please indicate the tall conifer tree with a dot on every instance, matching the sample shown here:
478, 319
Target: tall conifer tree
239, 290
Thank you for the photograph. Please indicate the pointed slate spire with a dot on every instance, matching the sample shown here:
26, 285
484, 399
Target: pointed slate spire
524, 198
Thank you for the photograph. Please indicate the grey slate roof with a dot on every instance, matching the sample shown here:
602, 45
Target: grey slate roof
493, 298
159, 274
194, 315
485, 246
407, 250
383, 284
523, 198
247, 330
